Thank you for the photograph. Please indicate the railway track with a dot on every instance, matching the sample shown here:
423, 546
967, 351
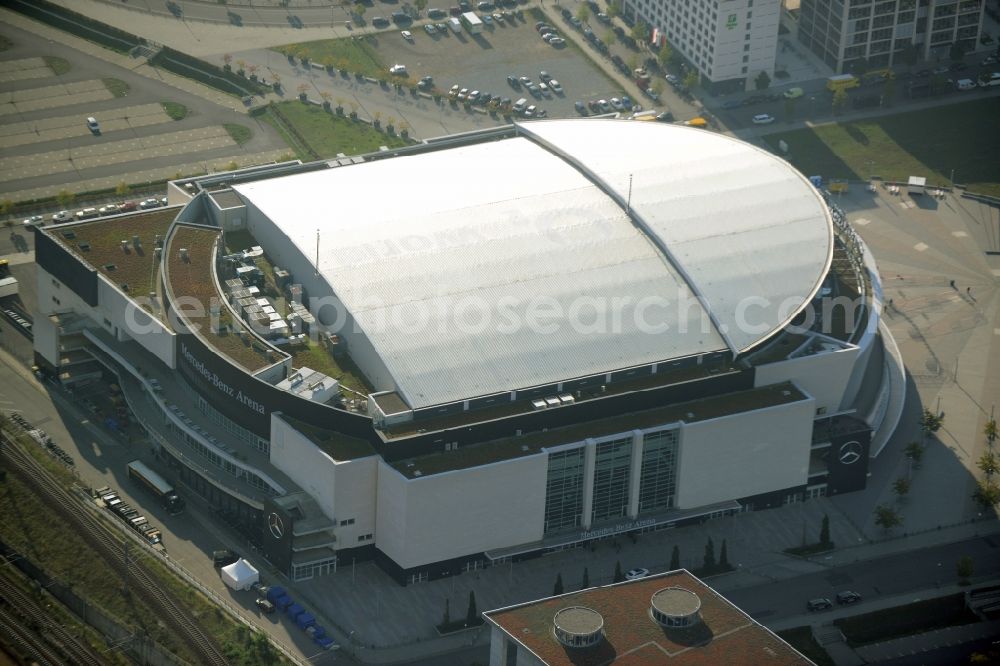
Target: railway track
25, 638
75, 650
144, 584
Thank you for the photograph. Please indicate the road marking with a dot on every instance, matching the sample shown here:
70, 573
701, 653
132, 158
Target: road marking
996, 272
959, 234
996, 331
920, 247
906, 203
862, 221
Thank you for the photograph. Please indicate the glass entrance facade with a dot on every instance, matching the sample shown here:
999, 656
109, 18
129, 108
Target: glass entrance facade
611, 479
564, 490
658, 477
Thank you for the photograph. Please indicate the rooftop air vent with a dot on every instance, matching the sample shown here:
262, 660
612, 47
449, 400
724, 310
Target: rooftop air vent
110, 267
85, 247
124, 244
690, 415
578, 627
125, 287
676, 608
135, 240
68, 235
183, 252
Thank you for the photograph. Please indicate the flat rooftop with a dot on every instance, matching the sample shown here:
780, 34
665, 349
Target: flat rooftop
99, 243
536, 442
724, 636
192, 278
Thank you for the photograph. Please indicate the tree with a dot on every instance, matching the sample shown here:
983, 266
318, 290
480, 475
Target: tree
914, 451
65, 197
360, 9
762, 81
839, 100
724, 557
6, 207
122, 188
709, 560
987, 494
586, 579
446, 620
691, 79
614, 9
619, 576
965, 568
990, 430
665, 56
472, 616
420, 4
901, 486
583, 13
886, 517
824, 530
931, 422
675, 559
639, 32
609, 37
988, 463
957, 51
633, 61
557, 589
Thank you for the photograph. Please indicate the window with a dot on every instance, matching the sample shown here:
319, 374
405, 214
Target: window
349, 521
658, 475
55, 283
746, 58
365, 537
611, 479
564, 490
56, 301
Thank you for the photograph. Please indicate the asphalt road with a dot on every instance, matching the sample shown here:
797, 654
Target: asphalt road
888, 576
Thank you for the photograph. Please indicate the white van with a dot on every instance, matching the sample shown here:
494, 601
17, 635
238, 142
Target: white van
965, 84
455, 25
520, 105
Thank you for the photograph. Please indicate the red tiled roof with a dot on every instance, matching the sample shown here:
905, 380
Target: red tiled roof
726, 635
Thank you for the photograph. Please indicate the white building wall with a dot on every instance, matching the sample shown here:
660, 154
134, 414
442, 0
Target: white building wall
744, 454
458, 513
823, 376
131, 322
304, 463
355, 498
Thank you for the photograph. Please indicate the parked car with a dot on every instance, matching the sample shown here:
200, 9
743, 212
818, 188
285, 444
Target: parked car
265, 606
398, 70
732, 104
627, 102
33, 220
62, 216
819, 604
581, 108
848, 597
223, 558
93, 125
514, 83
407, 35
616, 104
430, 29
763, 119
557, 41
146, 204
380, 22
435, 13
636, 574
555, 87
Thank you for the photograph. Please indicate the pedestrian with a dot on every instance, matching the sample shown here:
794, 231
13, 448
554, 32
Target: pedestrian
952, 284
890, 303
968, 291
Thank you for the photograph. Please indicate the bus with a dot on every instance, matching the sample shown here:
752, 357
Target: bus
155, 484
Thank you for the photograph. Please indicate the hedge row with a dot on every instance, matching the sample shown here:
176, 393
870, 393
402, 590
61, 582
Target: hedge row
207, 73
78, 24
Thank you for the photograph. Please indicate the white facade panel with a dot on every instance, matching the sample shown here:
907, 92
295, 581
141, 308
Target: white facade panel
134, 323
745, 454
449, 515
305, 464
823, 376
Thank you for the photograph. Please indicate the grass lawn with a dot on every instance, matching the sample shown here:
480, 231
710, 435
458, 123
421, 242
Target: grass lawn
116, 87
239, 133
316, 357
57, 65
328, 134
930, 142
906, 620
801, 639
357, 56
174, 110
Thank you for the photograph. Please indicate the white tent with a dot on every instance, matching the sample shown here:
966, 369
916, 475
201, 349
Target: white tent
240, 575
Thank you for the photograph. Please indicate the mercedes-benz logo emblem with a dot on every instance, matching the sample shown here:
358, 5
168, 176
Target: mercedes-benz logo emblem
275, 525
850, 452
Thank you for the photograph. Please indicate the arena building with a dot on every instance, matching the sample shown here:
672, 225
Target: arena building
484, 347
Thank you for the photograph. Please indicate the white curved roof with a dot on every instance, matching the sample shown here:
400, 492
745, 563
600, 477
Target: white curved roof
519, 262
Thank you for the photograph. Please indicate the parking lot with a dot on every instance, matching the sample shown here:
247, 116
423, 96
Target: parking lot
484, 61
53, 82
